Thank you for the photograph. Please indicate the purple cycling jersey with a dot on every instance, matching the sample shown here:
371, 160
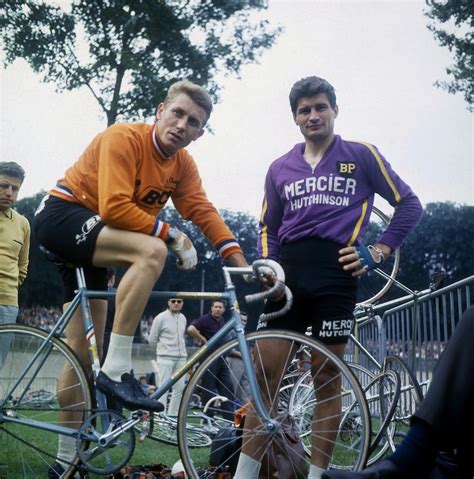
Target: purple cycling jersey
333, 200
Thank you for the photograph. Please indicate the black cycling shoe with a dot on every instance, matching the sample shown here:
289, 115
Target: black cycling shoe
382, 470
128, 392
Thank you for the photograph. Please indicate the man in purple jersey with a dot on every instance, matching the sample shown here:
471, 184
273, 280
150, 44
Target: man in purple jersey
317, 203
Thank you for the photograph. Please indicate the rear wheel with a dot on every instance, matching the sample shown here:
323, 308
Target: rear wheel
410, 397
382, 395
26, 451
350, 453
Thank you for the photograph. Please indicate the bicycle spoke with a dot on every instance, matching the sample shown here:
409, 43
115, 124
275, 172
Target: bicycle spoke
332, 435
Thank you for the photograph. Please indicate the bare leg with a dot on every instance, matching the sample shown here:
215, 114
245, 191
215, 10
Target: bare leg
271, 359
145, 258
327, 414
68, 388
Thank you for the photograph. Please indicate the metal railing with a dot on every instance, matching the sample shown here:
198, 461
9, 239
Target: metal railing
418, 329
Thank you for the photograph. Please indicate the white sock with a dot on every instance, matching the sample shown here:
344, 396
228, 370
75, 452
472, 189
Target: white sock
315, 472
66, 450
247, 468
119, 357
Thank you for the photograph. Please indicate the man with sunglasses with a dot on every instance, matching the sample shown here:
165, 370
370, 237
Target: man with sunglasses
167, 339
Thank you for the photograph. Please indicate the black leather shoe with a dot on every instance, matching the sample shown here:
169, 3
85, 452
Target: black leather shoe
128, 392
382, 470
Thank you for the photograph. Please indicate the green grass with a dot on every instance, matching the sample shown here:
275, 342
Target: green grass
20, 461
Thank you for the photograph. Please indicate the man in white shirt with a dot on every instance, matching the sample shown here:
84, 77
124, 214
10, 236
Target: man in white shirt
167, 337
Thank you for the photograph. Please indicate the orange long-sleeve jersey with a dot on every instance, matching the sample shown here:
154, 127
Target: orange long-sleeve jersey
123, 177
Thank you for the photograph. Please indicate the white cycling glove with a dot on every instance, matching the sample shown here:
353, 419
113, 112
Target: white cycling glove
183, 248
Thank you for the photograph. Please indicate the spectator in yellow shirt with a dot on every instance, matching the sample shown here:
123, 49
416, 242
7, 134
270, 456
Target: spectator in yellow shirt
14, 244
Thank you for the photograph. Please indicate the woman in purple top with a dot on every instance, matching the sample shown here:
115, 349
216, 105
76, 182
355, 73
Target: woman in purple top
318, 199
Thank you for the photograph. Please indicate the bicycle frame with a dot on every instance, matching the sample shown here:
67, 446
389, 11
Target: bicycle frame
81, 300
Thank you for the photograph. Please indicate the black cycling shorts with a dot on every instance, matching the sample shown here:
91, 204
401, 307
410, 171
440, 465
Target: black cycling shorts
324, 295
70, 231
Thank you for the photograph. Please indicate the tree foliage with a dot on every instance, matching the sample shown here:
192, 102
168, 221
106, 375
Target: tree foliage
440, 241
128, 52
456, 33
43, 285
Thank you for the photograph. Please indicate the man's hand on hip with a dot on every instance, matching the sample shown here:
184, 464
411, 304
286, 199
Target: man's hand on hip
359, 260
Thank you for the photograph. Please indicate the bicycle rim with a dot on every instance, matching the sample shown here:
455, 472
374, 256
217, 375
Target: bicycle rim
382, 396
29, 451
410, 397
372, 286
350, 453
164, 429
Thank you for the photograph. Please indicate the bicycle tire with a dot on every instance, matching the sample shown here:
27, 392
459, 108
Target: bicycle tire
355, 458
363, 375
372, 286
410, 397
32, 460
382, 405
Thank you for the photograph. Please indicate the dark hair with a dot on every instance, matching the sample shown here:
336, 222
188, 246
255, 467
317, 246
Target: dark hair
223, 301
311, 86
197, 94
10, 168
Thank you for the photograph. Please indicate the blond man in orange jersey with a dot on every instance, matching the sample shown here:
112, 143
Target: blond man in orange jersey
103, 213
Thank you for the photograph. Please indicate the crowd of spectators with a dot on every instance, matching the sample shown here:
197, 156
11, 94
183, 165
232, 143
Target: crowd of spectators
39, 316
45, 318
145, 326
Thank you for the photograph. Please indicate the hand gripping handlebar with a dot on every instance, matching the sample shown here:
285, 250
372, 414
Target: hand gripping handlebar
261, 268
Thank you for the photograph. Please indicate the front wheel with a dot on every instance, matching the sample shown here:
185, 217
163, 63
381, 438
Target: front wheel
315, 423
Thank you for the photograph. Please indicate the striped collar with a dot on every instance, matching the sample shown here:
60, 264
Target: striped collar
158, 146
59, 188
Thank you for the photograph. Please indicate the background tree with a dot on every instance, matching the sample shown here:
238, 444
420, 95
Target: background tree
43, 285
441, 240
128, 52
457, 18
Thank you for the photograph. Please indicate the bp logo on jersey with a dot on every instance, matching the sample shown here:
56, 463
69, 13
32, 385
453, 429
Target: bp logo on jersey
346, 168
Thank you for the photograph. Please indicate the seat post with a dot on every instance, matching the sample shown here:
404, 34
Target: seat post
80, 277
